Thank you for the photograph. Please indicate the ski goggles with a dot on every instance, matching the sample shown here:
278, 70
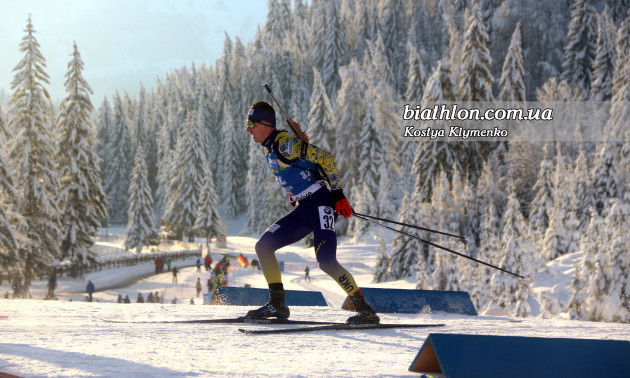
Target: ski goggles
250, 124
260, 116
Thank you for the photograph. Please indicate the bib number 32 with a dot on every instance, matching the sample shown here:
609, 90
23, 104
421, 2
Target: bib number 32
326, 218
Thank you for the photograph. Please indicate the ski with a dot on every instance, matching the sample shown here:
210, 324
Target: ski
335, 327
239, 320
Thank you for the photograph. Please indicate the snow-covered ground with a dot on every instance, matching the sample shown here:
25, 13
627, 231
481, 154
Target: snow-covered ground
69, 338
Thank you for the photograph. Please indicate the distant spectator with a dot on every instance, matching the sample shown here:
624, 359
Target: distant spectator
169, 262
157, 297
158, 265
198, 286
52, 285
207, 262
198, 265
120, 298
150, 298
307, 275
90, 290
140, 298
126, 300
174, 301
174, 274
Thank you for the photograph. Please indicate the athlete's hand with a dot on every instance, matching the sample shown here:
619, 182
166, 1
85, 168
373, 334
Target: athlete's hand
341, 203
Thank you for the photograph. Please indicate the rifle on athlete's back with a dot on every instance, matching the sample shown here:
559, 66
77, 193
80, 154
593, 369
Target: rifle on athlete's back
294, 126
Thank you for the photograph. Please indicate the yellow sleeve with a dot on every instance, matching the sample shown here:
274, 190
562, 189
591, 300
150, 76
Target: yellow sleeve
291, 148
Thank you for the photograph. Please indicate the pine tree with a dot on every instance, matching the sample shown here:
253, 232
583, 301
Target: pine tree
511, 84
604, 64
119, 150
403, 260
82, 201
416, 76
232, 167
541, 206
188, 170
208, 220
103, 126
8, 239
382, 261
320, 116
605, 177
475, 83
393, 27
34, 172
140, 213
618, 222
335, 50
622, 48
518, 255
350, 110
579, 52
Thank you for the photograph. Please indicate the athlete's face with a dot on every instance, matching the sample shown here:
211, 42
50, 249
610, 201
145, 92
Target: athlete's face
258, 131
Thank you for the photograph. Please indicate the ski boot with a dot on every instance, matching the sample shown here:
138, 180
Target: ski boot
275, 308
365, 312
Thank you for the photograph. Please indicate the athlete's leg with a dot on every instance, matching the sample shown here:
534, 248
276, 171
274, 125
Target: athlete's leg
286, 231
317, 212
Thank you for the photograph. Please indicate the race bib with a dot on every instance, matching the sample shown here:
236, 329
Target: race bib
326, 218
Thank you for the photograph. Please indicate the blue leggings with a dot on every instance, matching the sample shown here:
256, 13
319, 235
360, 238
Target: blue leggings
313, 214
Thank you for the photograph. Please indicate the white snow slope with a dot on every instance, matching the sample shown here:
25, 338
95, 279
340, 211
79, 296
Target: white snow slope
69, 338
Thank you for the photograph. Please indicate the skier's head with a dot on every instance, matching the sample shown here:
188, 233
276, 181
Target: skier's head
261, 121
262, 112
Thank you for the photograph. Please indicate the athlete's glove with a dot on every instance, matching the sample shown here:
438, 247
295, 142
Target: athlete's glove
341, 203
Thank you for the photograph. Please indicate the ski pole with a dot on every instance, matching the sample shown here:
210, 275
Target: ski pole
441, 247
462, 238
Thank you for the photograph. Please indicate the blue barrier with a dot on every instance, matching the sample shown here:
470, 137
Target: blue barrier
470, 356
247, 296
415, 301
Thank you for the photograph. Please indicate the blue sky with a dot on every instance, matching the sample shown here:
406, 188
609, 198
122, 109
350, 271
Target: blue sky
123, 42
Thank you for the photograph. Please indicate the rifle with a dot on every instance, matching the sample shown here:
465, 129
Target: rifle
295, 126
298, 132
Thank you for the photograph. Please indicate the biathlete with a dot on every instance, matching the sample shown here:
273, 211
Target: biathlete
295, 164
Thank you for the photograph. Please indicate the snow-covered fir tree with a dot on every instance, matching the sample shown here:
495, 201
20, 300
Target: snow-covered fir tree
208, 221
233, 163
605, 179
118, 165
320, 116
403, 256
475, 81
604, 64
581, 46
622, 49
187, 178
416, 76
382, 261
8, 239
82, 201
511, 84
517, 255
349, 114
618, 222
140, 227
542, 204
30, 120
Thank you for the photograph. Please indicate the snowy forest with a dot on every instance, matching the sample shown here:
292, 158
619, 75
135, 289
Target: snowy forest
177, 157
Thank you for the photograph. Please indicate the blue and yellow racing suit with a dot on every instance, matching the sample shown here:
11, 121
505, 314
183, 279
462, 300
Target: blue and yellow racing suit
295, 165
